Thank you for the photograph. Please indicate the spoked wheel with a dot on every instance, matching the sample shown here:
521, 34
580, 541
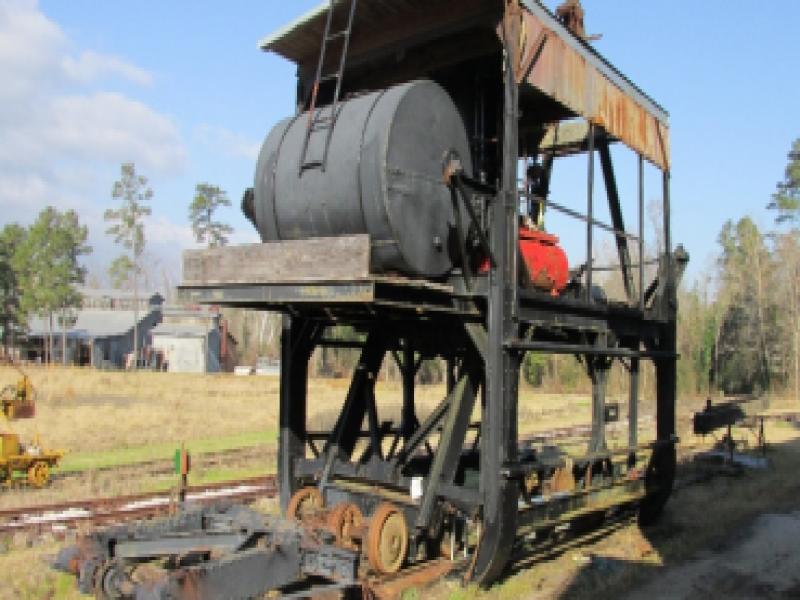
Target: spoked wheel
387, 539
38, 474
658, 480
304, 502
345, 522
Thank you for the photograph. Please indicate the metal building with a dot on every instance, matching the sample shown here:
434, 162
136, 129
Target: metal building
100, 333
193, 341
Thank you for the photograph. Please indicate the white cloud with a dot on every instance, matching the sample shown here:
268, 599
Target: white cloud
89, 66
115, 128
64, 131
161, 230
232, 144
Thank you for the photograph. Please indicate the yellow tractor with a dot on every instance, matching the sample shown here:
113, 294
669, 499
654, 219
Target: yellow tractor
18, 459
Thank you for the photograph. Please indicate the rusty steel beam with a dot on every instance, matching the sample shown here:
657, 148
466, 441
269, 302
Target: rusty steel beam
569, 71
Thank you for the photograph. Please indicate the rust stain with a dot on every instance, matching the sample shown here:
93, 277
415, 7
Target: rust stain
392, 588
564, 75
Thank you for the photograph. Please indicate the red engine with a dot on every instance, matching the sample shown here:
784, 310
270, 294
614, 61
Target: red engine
546, 261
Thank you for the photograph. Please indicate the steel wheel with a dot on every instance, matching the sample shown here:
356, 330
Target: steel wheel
304, 502
38, 474
345, 521
387, 539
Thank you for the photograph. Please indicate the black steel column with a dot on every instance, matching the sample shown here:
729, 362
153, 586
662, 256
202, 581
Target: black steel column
296, 348
451, 374
590, 214
633, 407
598, 372
408, 417
667, 228
666, 371
641, 232
617, 220
499, 428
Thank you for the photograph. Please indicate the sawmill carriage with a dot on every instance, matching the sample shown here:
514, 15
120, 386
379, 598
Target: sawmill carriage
404, 199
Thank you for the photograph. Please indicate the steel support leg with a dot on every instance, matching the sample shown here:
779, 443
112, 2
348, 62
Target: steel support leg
343, 438
297, 343
598, 372
499, 427
451, 441
633, 411
408, 417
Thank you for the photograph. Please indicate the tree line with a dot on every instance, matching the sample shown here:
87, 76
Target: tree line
739, 323
41, 265
739, 331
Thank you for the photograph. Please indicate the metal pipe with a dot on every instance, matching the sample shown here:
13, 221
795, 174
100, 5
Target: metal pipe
576, 215
641, 232
590, 215
633, 404
557, 348
408, 417
667, 229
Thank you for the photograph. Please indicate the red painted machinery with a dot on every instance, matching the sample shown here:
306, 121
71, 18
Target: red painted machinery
545, 259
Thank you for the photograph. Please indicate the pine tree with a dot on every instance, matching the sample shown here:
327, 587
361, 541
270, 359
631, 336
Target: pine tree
207, 199
127, 227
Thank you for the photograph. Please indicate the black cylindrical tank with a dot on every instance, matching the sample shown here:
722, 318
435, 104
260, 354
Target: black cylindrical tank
383, 176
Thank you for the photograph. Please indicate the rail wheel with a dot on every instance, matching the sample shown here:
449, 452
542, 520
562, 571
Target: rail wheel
304, 502
345, 521
387, 539
38, 474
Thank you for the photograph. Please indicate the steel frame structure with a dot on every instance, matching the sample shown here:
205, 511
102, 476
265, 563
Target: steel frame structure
475, 481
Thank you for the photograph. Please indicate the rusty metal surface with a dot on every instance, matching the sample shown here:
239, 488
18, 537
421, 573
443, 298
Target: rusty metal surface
568, 69
392, 588
570, 72
125, 508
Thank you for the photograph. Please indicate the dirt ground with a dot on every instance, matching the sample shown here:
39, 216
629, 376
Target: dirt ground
724, 534
764, 564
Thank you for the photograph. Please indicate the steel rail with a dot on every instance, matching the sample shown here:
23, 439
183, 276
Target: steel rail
130, 507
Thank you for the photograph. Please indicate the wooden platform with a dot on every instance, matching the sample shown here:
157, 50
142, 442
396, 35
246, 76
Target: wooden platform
325, 275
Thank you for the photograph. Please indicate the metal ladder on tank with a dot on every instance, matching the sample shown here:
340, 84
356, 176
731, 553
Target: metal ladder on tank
325, 118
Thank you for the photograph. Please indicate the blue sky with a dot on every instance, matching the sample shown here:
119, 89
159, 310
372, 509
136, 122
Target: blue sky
181, 89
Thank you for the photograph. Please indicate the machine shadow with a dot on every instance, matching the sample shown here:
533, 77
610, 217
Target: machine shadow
673, 537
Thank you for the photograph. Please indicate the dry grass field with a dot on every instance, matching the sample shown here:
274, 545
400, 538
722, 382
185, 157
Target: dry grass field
115, 425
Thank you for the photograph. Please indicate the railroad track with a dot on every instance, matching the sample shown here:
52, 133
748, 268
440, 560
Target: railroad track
100, 511
166, 466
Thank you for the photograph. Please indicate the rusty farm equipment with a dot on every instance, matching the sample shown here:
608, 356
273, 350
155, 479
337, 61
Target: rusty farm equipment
18, 400
23, 460
28, 461
391, 203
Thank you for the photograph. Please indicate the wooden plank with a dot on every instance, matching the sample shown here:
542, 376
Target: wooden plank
341, 258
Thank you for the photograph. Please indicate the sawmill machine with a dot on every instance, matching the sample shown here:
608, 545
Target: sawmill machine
409, 198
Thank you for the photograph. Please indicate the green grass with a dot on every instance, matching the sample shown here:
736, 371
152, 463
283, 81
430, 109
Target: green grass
85, 461
213, 476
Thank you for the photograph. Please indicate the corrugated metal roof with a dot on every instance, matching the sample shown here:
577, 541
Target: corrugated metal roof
90, 324
181, 330
117, 294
